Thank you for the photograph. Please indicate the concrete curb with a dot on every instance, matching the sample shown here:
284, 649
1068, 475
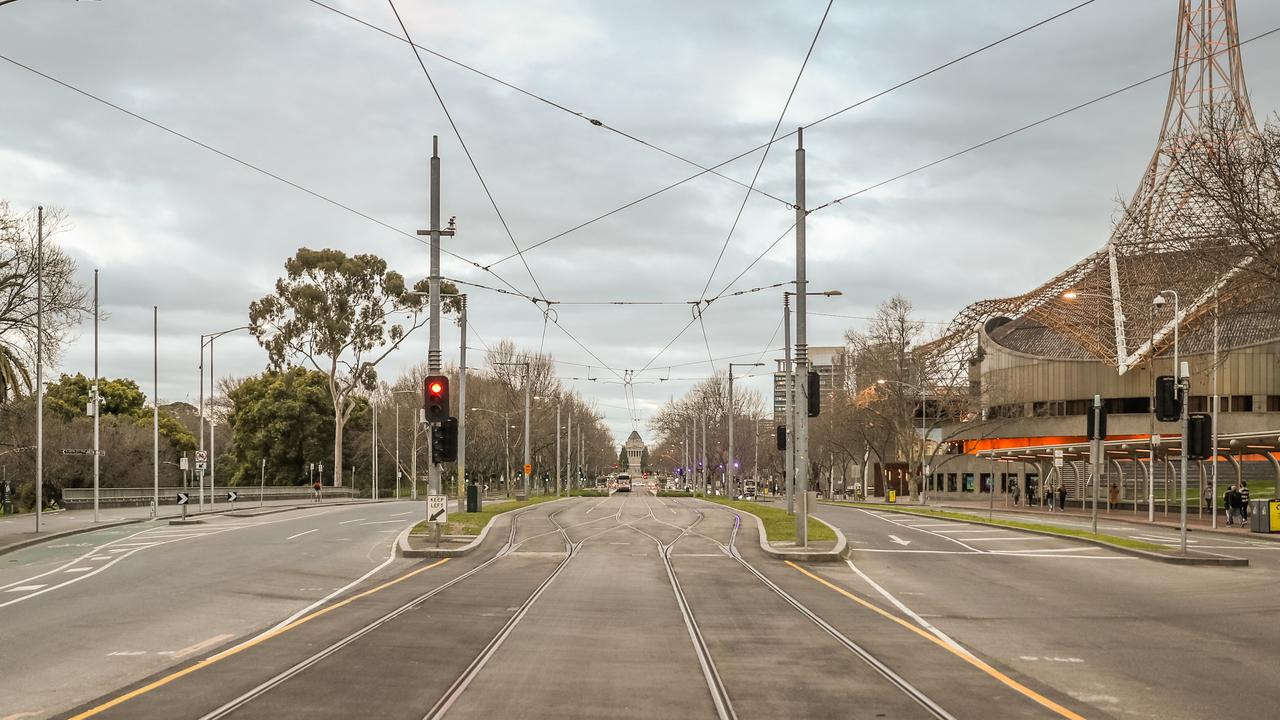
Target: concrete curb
402, 541
1219, 561
1272, 537
836, 554
43, 538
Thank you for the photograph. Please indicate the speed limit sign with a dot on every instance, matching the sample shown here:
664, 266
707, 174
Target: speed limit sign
202, 456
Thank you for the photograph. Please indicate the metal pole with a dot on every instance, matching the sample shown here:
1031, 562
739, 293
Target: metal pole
413, 458
1151, 442
462, 405
557, 449
1184, 386
1213, 494
373, 456
398, 450
731, 484
789, 470
96, 401
568, 452
213, 424
802, 352
155, 409
200, 473
262, 484
39, 363
705, 470
528, 377
1096, 451
433, 348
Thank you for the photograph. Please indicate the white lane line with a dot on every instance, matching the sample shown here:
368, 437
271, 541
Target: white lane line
78, 570
908, 611
25, 588
381, 522
921, 552
391, 555
893, 521
306, 532
191, 649
344, 522
403, 514
1045, 550
1019, 538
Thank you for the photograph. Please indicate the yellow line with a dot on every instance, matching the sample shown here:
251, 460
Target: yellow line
246, 645
1014, 684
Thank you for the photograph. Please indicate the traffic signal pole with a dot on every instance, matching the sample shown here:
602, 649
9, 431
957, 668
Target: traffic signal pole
802, 354
433, 347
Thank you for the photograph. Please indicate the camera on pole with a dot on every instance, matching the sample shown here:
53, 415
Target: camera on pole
435, 398
1168, 399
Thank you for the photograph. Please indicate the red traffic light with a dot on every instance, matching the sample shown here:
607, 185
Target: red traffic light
436, 398
435, 388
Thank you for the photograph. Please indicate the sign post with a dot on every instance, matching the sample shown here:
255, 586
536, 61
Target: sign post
437, 514
182, 502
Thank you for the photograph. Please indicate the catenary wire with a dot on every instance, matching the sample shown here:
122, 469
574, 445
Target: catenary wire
467, 151
847, 108
764, 155
535, 96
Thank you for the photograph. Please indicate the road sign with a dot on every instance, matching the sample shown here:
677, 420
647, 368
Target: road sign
232, 495
183, 498
81, 451
437, 508
201, 456
182, 463
201, 465
1057, 458
528, 469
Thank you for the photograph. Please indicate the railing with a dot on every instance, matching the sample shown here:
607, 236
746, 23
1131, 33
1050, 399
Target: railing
169, 495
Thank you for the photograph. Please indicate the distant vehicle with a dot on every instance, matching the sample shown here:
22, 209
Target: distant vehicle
749, 490
622, 484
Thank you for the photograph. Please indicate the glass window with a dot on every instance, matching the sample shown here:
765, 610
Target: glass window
968, 482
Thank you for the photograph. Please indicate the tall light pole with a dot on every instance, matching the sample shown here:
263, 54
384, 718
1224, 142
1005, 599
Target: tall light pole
96, 400
733, 459
798, 411
39, 363
506, 443
208, 340
433, 281
155, 409
1184, 386
413, 463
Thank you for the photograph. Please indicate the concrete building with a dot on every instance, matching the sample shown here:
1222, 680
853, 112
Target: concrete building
634, 447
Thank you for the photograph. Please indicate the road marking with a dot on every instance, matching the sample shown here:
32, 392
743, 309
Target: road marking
899, 541
78, 569
1019, 538
203, 644
906, 610
118, 700
344, 522
962, 654
126, 653
307, 532
25, 588
403, 514
380, 522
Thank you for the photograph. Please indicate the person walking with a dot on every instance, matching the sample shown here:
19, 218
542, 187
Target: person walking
1243, 502
1049, 495
1062, 496
1229, 504
1017, 494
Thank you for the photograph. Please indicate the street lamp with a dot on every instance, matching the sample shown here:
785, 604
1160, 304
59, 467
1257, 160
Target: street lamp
506, 444
527, 396
1184, 386
733, 460
207, 339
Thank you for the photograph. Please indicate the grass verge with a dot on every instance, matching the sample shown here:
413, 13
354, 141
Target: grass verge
978, 519
676, 493
589, 493
778, 525
468, 523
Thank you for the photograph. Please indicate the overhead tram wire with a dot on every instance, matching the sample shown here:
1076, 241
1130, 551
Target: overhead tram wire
990, 141
764, 156
458, 134
823, 119
251, 166
530, 94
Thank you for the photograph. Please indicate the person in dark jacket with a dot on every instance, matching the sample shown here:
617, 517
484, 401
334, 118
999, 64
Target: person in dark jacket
1243, 502
1229, 499
1062, 497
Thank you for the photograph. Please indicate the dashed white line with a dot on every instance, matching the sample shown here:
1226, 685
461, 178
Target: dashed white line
307, 532
25, 588
344, 522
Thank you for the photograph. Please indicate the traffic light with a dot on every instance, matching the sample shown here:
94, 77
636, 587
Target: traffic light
1199, 438
435, 398
1097, 429
1168, 400
782, 437
815, 394
444, 441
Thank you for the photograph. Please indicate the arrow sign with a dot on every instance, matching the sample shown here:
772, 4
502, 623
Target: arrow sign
898, 540
437, 508
183, 498
232, 495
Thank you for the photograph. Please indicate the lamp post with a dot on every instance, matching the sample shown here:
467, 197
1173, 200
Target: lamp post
1184, 385
506, 444
207, 340
733, 460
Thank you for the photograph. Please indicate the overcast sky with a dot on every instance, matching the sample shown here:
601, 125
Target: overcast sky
346, 111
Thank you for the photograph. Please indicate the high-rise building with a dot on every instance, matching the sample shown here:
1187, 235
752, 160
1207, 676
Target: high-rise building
828, 361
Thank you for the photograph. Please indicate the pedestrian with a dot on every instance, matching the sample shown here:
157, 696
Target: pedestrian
1062, 496
315, 492
1243, 502
1229, 504
1113, 494
1016, 494
1050, 495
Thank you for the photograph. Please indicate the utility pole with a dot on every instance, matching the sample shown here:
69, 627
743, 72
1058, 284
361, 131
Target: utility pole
1184, 388
789, 464
706, 471
398, 473
527, 406
462, 406
433, 347
1095, 450
39, 363
802, 352
373, 456
733, 414
95, 399
568, 447
155, 409
557, 449
200, 473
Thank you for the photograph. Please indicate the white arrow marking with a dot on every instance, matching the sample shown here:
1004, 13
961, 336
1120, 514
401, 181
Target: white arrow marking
900, 541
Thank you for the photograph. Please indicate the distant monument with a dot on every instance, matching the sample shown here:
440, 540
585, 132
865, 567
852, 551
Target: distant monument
634, 447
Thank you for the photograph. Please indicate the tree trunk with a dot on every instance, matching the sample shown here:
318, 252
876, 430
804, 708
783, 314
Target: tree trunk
337, 446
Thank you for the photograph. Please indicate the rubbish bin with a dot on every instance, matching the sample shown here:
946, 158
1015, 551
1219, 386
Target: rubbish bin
893, 496
1260, 516
473, 498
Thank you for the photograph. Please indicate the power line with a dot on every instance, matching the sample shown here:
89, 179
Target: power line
458, 134
763, 156
542, 99
847, 108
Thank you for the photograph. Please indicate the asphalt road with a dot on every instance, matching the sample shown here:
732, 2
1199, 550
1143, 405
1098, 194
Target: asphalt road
623, 607
83, 615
